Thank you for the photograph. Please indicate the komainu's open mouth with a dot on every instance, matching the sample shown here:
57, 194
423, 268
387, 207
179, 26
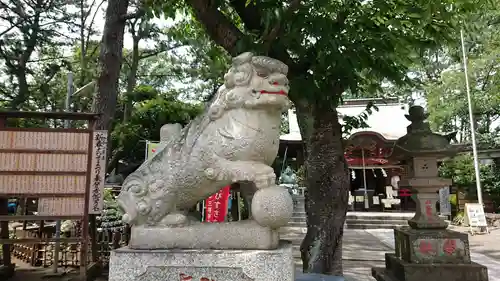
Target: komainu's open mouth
280, 92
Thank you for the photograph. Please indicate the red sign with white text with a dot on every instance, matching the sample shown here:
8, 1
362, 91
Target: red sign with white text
216, 205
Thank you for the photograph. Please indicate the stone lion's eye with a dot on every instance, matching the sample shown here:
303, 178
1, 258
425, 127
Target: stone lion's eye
262, 74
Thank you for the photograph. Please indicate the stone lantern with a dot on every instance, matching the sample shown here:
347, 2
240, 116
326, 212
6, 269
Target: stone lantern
427, 250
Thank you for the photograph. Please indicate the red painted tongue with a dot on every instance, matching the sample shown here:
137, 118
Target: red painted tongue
283, 93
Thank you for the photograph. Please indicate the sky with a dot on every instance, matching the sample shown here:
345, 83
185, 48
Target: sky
127, 40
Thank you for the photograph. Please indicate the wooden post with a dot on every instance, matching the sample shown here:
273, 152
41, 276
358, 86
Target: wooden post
93, 238
4, 232
85, 222
4, 225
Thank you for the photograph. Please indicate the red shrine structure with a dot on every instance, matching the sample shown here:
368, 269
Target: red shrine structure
373, 176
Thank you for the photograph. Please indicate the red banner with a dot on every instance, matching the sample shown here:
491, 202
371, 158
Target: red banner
216, 205
404, 192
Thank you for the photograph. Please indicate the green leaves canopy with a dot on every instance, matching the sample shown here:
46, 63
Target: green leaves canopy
446, 92
145, 123
333, 46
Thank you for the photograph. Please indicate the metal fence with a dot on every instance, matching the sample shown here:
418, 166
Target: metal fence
42, 254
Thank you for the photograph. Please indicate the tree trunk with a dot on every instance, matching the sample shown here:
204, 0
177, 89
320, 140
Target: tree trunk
131, 80
113, 161
23, 89
327, 193
110, 61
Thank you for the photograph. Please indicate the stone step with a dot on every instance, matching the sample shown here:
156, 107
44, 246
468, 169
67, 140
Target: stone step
297, 224
373, 226
298, 211
361, 220
357, 226
299, 214
370, 221
378, 217
295, 239
298, 219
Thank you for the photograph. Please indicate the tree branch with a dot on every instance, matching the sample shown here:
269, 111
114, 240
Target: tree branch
249, 14
85, 14
137, 14
146, 55
13, 25
226, 34
217, 25
6, 57
87, 40
487, 78
277, 29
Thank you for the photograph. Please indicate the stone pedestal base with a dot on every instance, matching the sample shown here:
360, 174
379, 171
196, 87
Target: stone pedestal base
205, 265
399, 270
427, 254
246, 234
431, 246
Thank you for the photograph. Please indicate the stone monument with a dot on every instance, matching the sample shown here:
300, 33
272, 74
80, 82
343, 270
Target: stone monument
427, 250
236, 139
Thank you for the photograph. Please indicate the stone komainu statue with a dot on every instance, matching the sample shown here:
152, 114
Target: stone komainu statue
236, 139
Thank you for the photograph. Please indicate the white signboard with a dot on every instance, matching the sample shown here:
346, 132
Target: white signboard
474, 215
152, 148
444, 201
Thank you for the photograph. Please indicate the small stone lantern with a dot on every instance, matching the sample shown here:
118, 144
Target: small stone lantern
427, 250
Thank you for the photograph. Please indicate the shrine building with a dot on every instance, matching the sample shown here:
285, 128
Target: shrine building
374, 179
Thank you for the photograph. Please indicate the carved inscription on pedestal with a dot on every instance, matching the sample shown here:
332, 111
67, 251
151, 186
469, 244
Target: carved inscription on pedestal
442, 247
194, 273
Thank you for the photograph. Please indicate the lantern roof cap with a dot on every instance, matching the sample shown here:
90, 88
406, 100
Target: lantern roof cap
420, 141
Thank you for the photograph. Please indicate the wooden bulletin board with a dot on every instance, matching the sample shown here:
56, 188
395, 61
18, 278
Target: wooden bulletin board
63, 168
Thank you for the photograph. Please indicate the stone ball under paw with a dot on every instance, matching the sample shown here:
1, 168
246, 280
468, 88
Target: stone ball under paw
272, 207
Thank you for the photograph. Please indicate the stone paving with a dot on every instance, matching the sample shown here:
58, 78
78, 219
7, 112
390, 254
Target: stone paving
361, 252
364, 249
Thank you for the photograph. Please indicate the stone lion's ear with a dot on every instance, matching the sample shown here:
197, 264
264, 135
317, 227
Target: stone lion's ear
229, 80
242, 59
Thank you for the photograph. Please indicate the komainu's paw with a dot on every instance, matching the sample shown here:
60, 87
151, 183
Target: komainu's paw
260, 174
174, 219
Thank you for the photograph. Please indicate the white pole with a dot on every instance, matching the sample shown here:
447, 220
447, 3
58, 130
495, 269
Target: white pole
147, 151
472, 125
367, 204
284, 160
69, 94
